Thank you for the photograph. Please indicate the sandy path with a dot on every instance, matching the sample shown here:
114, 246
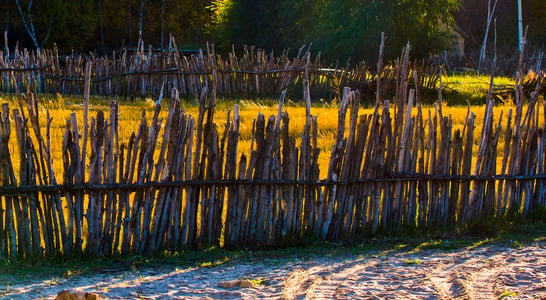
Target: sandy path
487, 272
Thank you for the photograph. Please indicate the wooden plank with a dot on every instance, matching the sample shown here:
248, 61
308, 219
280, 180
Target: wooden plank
266, 199
123, 195
502, 200
34, 206
47, 175
476, 200
315, 191
111, 198
361, 191
147, 173
178, 196
540, 195
218, 223
187, 176
371, 215
491, 194
399, 196
5, 161
92, 203
195, 192
85, 117
258, 195
456, 162
345, 212
68, 178
20, 203
132, 234
445, 157
240, 206
379, 72
384, 160
335, 164
463, 214
163, 172
411, 161
173, 170
422, 185
78, 179
433, 167
211, 213
207, 162
286, 167
231, 223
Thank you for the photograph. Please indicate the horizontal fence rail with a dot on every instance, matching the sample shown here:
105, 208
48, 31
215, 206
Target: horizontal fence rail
180, 183
89, 188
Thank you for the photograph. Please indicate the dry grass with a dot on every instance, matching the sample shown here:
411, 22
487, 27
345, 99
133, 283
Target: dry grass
327, 117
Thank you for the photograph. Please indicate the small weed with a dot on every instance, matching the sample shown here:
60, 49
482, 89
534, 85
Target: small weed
401, 246
53, 281
134, 268
516, 244
214, 263
257, 281
71, 273
480, 243
507, 293
206, 264
440, 244
412, 261
150, 102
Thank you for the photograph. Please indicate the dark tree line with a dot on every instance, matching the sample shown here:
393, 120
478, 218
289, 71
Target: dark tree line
340, 29
343, 29
103, 25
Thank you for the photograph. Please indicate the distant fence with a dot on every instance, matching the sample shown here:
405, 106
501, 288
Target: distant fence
143, 73
392, 171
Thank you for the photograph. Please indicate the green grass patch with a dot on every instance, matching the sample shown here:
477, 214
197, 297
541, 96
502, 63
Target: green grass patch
507, 294
412, 261
256, 281
469, 88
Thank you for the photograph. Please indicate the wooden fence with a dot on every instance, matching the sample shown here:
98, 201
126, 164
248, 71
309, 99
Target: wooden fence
396, 169
143, 73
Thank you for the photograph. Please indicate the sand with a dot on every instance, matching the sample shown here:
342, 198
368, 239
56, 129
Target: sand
492, 271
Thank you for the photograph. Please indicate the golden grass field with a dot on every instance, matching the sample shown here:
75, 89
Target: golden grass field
130, 113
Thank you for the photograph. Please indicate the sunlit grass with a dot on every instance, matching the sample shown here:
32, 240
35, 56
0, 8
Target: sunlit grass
469, 81
463, 88
130, 114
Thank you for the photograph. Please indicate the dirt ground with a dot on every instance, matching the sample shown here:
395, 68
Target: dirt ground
497, 270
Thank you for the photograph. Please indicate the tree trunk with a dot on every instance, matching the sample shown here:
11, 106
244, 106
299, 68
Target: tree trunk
162, 23
130, 21
140, 18
29, 26
101, 25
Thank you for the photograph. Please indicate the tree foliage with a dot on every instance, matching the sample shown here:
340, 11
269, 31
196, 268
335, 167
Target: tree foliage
41, 23
103, 24
339, 28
